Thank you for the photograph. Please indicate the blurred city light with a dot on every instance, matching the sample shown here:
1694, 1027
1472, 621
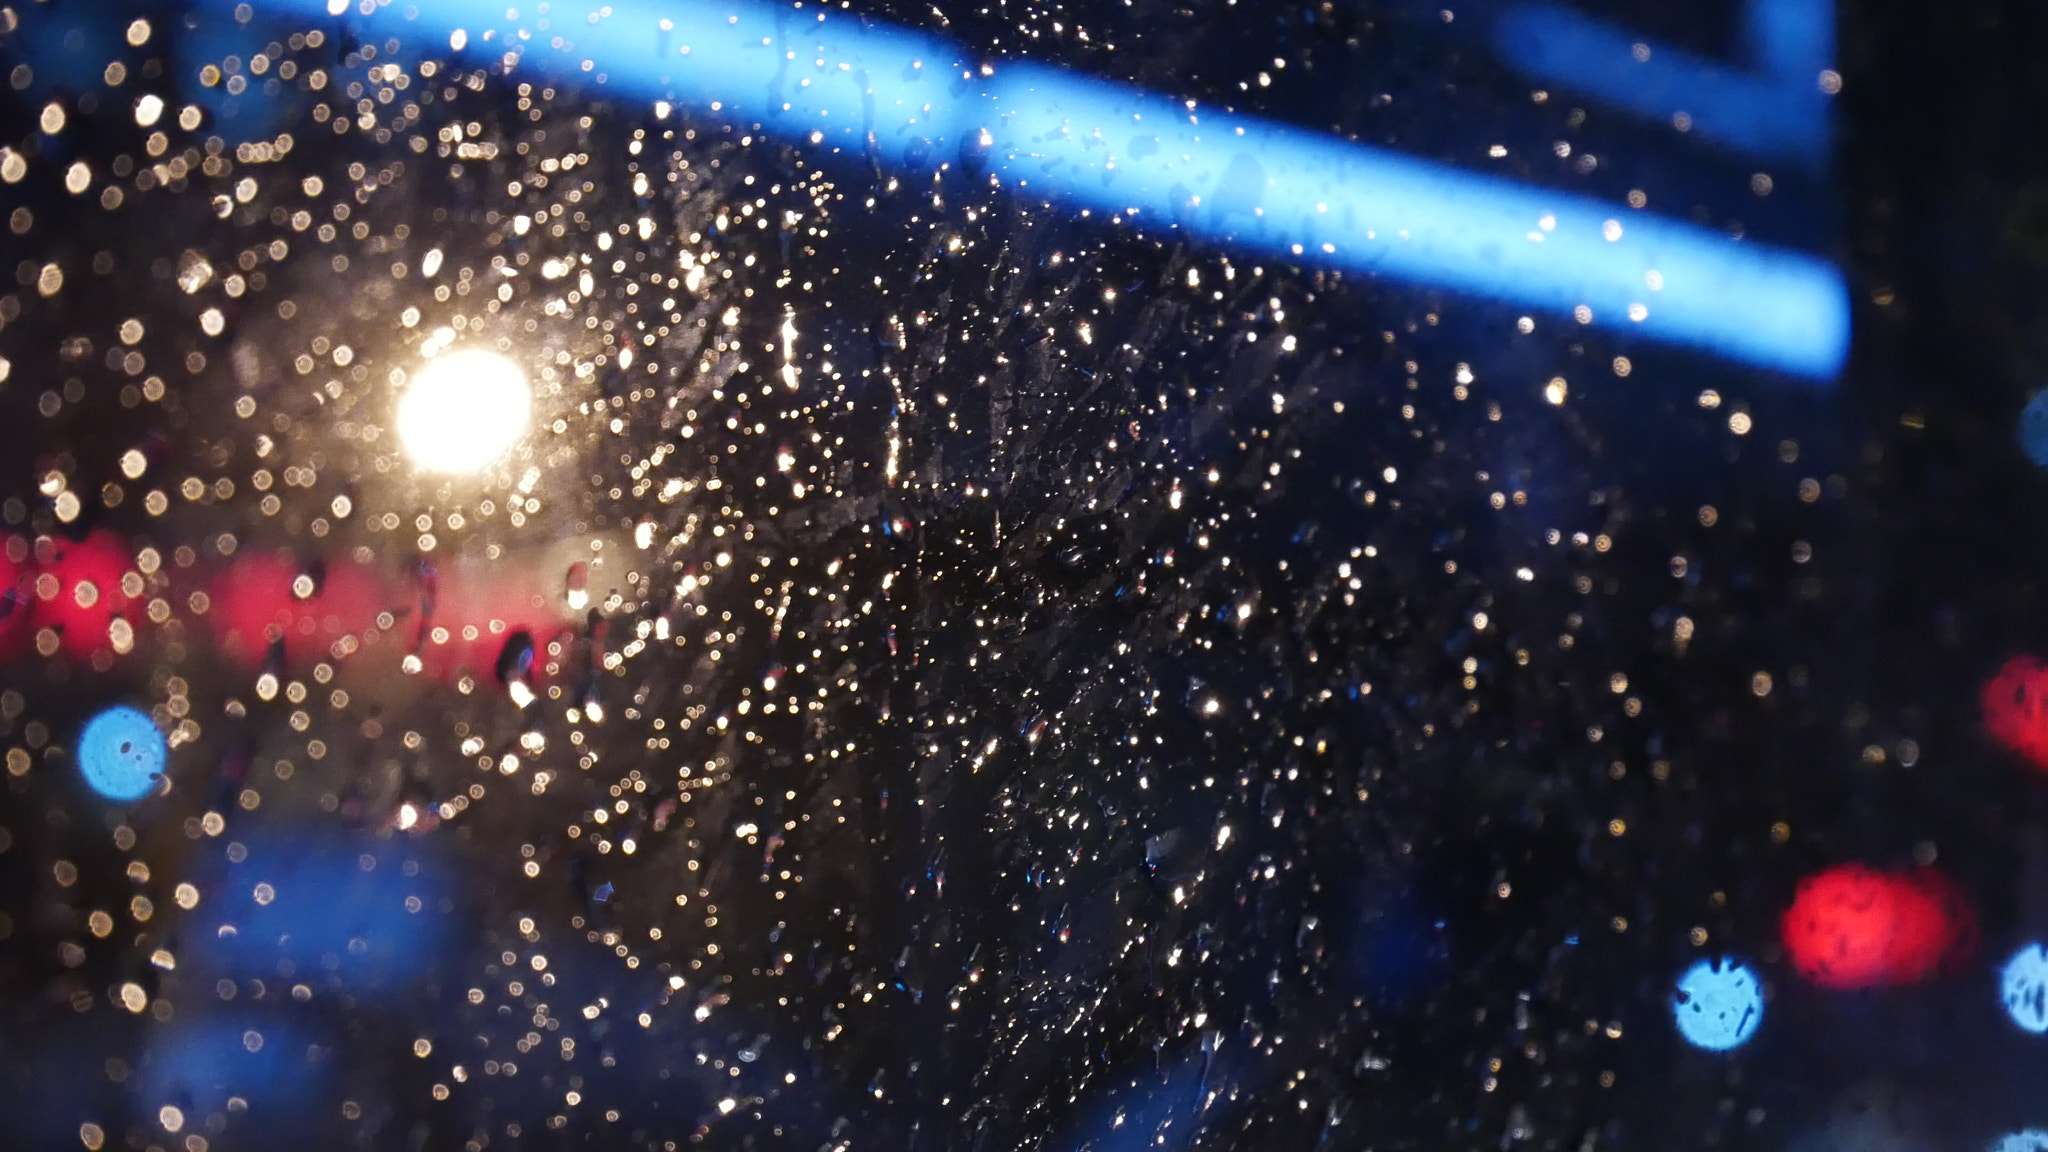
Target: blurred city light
849, 85
1778, 110
121, 753
363, 911
2015, 705
463, 411
1852, 927
2023, 985
1719, 1005
2034, 429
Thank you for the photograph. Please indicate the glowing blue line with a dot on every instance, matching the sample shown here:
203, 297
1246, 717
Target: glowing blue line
1299, 195
1791, 39
1778, 112
912, 102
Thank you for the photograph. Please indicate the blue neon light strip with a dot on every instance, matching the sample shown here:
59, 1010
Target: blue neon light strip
1779, 112
914, 102
1791, 39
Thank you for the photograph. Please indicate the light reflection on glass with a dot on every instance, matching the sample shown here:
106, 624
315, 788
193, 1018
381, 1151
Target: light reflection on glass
463, 411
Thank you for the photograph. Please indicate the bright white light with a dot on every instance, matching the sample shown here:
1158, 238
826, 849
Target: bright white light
463, 411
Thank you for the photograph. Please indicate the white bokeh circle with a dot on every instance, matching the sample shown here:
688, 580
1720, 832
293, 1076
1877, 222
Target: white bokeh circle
463, 411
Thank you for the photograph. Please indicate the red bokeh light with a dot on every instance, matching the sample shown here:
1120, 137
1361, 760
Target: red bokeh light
474, 609
477, 607
1851, 926
255, 603
17, 597
456, 619
88, 595
2016, 708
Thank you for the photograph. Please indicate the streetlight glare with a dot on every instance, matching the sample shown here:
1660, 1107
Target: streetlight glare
463, 410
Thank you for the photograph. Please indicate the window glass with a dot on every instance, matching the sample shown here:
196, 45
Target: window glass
878, 575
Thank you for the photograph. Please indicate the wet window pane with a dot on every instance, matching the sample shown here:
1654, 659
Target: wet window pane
732, 574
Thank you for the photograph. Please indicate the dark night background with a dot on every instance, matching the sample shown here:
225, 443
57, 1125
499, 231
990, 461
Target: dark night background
978, 894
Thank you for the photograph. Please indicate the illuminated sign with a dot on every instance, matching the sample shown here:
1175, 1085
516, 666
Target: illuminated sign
845, 84
1778, 109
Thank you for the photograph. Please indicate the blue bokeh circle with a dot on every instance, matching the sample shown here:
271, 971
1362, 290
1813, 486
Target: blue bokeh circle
121, 752
1719, 1004
2034, 428
2023, 985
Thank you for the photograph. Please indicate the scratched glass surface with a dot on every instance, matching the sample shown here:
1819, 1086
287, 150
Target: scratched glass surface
549, 603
